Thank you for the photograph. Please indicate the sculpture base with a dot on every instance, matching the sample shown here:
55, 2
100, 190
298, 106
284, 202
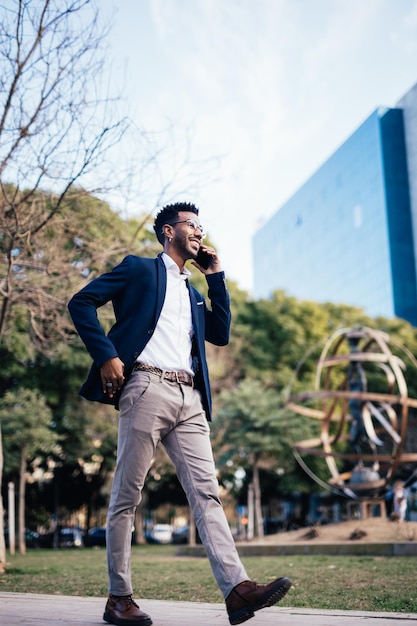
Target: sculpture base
366, 508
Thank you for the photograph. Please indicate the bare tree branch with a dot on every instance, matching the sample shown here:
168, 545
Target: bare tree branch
55, 124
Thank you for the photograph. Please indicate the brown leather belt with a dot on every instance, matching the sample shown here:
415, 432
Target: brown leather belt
175, 377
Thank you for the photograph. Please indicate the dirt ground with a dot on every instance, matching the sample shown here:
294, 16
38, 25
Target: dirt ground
372, 529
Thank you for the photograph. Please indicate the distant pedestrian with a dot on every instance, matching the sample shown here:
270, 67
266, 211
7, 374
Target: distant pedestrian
400, 500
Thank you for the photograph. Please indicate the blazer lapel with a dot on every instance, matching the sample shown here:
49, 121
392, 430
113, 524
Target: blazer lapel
194, 309
161, 282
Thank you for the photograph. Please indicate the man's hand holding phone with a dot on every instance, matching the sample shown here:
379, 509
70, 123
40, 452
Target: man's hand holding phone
207, 260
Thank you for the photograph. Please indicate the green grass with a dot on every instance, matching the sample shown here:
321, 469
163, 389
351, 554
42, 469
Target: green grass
321, 582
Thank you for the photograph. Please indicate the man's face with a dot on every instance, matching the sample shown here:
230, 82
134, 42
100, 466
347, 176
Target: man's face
187, 238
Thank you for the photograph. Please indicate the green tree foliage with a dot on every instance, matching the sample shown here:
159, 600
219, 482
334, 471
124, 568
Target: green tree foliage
26, 424
250, 433
85, 239
25, 420
41, 350
271, 336
251, 425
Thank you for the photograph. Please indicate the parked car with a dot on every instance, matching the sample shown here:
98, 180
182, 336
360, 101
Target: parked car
180, 534
71, 537
96, 536
160, 533
31, 538
68, 537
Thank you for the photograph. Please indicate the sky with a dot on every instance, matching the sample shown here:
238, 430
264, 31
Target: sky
257, 94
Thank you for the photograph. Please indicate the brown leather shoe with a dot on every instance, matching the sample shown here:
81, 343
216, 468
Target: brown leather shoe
123, 611
249, 597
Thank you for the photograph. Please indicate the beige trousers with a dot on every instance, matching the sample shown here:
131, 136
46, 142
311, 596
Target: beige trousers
154, 410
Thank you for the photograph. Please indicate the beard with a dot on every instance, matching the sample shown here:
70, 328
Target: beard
186, 247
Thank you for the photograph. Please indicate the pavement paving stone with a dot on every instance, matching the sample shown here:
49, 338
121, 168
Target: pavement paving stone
45, 610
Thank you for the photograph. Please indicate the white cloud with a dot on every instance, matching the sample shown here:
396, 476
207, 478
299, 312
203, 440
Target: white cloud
272, 86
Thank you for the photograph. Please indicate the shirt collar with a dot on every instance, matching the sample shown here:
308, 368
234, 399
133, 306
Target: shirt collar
173, 267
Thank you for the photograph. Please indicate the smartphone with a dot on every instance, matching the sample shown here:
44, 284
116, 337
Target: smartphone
204, 259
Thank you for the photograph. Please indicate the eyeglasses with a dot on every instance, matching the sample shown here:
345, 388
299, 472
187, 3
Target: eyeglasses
191, 224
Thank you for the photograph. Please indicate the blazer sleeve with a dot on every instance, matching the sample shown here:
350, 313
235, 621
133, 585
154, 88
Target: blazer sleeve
218, 319
83, 310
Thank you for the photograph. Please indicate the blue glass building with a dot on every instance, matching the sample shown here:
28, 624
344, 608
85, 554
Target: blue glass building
346, 236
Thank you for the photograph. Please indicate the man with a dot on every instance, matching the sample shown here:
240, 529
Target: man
153, 367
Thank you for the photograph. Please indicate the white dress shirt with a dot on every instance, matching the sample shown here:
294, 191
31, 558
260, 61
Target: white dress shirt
170, 345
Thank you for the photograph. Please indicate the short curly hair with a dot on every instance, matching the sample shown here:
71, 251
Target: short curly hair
169, 214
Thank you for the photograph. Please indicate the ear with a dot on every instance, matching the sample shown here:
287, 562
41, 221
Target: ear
168, 231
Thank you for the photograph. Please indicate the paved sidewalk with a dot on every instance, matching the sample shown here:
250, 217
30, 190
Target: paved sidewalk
43, 610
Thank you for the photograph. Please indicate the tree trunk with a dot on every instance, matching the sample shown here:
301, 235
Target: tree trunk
192, 540
57, 480
259, 523
139, 526
12, 518
22, 489
2, 542
251, 513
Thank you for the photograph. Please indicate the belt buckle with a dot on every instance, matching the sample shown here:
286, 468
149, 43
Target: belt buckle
168, 375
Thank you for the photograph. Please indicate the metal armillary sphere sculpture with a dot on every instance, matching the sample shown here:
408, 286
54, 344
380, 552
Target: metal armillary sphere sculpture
360, 413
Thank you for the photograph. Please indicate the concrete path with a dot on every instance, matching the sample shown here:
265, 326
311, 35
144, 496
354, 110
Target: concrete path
43, 610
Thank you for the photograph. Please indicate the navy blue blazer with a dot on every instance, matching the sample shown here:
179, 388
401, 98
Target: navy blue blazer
137, 289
